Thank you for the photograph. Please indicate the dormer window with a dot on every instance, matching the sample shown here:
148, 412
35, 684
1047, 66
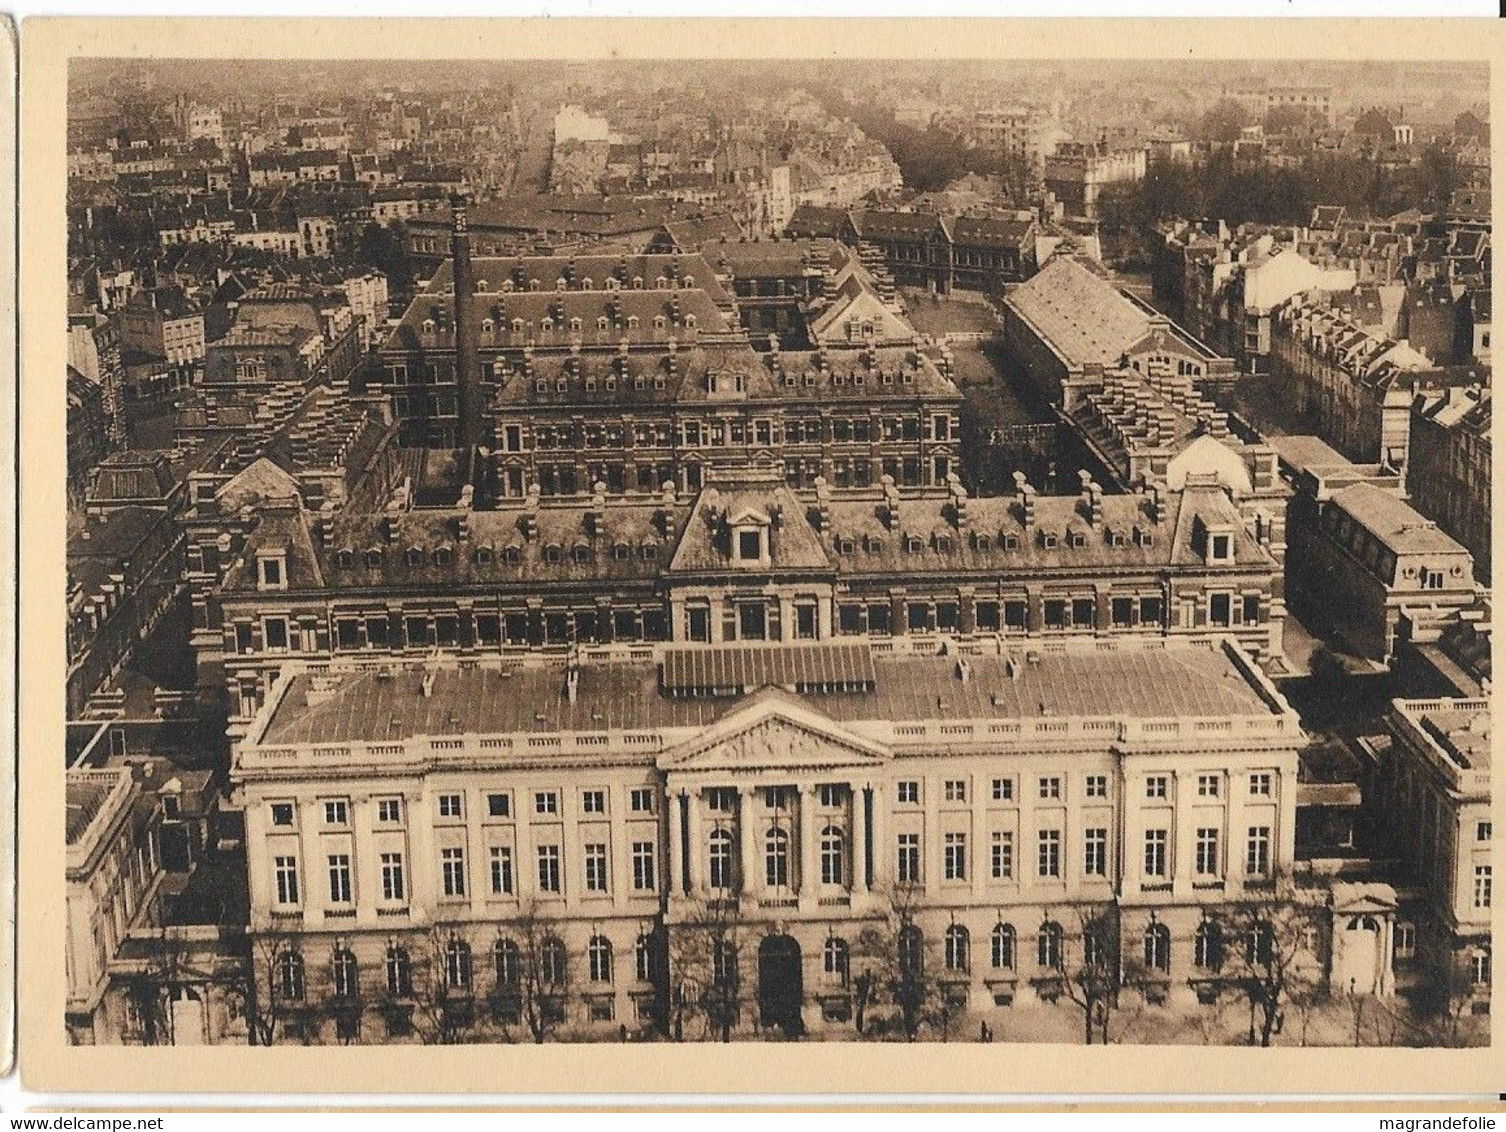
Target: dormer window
541, 386
272, 571
484, 555
1048, 539
512, 555
345, 559
601, 322
415, 556
1076, 540
1116, 538
649, 552
444, 556
373, 557
487, 326
581, 553
517, 326
690, 322
621, 551
428, 326
846, 546
912, 544
554, 554
1220, 546
632, 322
1011, 542
944, 544
575, 325
546, 324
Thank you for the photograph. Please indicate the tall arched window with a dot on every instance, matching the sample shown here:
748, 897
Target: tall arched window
833, 870
912, 949
506, 962
1260, 943
1208, 946
955, 948
457, 964
724, 964
599, 959
643, 959
1002, 946
1048, 946
1158, 947
777, 858
346, 973
719, 874
835, 960
399, 972
552, 961
289, 974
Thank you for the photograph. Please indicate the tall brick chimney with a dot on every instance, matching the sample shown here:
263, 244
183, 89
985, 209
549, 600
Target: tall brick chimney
467, 359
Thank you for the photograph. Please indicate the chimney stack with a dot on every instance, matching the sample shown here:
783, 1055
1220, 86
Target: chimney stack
467, 356
891, 503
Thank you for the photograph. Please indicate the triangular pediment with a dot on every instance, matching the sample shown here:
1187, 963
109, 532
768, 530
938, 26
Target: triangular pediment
774, 731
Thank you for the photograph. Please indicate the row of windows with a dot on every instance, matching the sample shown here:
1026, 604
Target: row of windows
450, 806
1157, 786
511, 963
1049, 864
718, 433
454, 877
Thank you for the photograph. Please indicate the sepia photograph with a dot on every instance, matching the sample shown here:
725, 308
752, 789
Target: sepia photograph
665, 553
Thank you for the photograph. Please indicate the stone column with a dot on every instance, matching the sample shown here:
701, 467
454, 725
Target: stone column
676, 844
859, 841
878, 846
807, 842
747, 843
695, 880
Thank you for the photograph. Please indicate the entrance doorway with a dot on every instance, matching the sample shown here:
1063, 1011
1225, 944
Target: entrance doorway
780, 988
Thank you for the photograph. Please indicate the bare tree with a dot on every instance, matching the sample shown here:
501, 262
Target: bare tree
1093, 975
705, 965
1270, 954
443, 986
890, 966
262, 984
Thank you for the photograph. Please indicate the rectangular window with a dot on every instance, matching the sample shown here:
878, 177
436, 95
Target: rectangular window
452, 871
644, 856
954, 856
1155, 852
275, 634
908, 869
549, 868
339, 878
501, 870
1001, 856
1207, 852
1003, 789
285, 872
641, 800
909, 793
955, 790
499, 805
1156, 786
1150, 611
1095, 852
282, 813
546, 802
1207, 786
593, 801
1096, 786
1049, 853
394, 886
451, 806
1260, 784
596, 867
1482, 831
1482, 886
336, 812
1258, 851
389, 811
1218, 609
1051, 787
1405, 943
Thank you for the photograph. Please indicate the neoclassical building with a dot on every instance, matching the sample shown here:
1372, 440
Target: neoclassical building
411, 829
